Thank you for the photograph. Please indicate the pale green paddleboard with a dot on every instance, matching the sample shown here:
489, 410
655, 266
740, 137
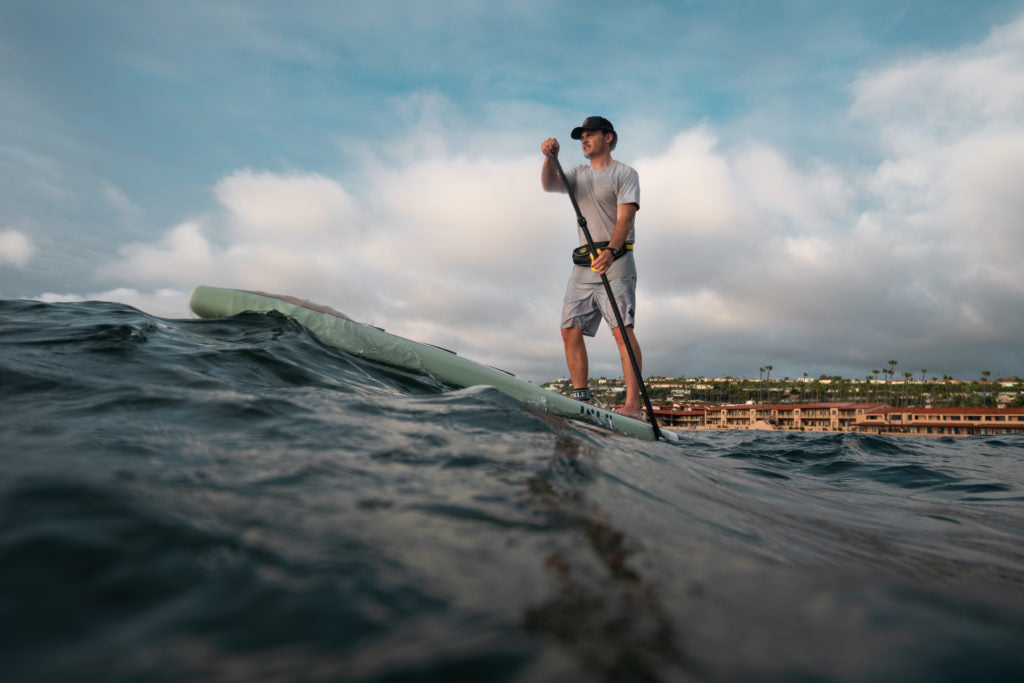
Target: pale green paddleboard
368, 342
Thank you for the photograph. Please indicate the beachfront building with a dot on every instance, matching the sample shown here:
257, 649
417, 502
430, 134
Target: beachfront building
942, 421
869, 418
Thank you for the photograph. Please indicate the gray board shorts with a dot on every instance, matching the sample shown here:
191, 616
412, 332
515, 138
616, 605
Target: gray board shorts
585, 303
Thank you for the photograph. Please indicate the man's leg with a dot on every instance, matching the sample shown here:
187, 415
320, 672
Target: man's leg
576, 356
632, 404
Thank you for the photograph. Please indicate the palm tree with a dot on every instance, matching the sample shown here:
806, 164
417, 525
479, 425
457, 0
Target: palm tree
892, 376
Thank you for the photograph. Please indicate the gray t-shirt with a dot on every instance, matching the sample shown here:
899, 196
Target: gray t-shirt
599, 194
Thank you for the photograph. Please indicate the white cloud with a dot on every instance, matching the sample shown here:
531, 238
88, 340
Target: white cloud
808, 251
485, 219
940, 98
116, 197
948, 193
689, 188
282, 209
775, 190
16, 248
182, 252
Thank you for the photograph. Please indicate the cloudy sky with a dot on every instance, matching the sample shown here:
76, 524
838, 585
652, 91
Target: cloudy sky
825, 186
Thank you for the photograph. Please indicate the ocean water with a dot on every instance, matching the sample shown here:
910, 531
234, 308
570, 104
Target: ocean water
232, 500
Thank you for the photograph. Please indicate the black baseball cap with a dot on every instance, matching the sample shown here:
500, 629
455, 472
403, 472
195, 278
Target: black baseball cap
596, 123
593, 123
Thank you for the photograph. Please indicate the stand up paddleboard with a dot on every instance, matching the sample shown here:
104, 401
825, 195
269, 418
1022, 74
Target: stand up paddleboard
374, 344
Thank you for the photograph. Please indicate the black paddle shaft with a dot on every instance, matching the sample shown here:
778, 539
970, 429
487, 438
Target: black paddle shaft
611, 298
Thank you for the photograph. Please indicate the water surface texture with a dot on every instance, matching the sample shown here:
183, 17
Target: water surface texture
232, 500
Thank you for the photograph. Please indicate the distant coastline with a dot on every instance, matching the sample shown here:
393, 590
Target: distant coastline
921, 392
829, 404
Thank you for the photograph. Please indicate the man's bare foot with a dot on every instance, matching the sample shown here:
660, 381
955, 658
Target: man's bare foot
635, 414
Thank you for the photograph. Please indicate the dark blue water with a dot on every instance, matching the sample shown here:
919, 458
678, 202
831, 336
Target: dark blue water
232, 500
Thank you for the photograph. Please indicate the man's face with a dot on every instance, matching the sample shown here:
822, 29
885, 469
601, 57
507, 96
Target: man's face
594, 142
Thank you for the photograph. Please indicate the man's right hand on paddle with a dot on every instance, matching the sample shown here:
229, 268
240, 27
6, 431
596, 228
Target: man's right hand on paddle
549, 179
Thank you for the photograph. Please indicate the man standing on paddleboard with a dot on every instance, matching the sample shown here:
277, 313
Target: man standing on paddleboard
608, 195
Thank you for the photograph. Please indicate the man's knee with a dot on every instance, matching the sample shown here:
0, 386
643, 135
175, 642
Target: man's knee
572, 334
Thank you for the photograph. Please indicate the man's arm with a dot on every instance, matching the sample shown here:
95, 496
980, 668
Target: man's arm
549, 179
625, 214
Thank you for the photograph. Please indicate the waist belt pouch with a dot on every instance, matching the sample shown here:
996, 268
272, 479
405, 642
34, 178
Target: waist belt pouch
581, 255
